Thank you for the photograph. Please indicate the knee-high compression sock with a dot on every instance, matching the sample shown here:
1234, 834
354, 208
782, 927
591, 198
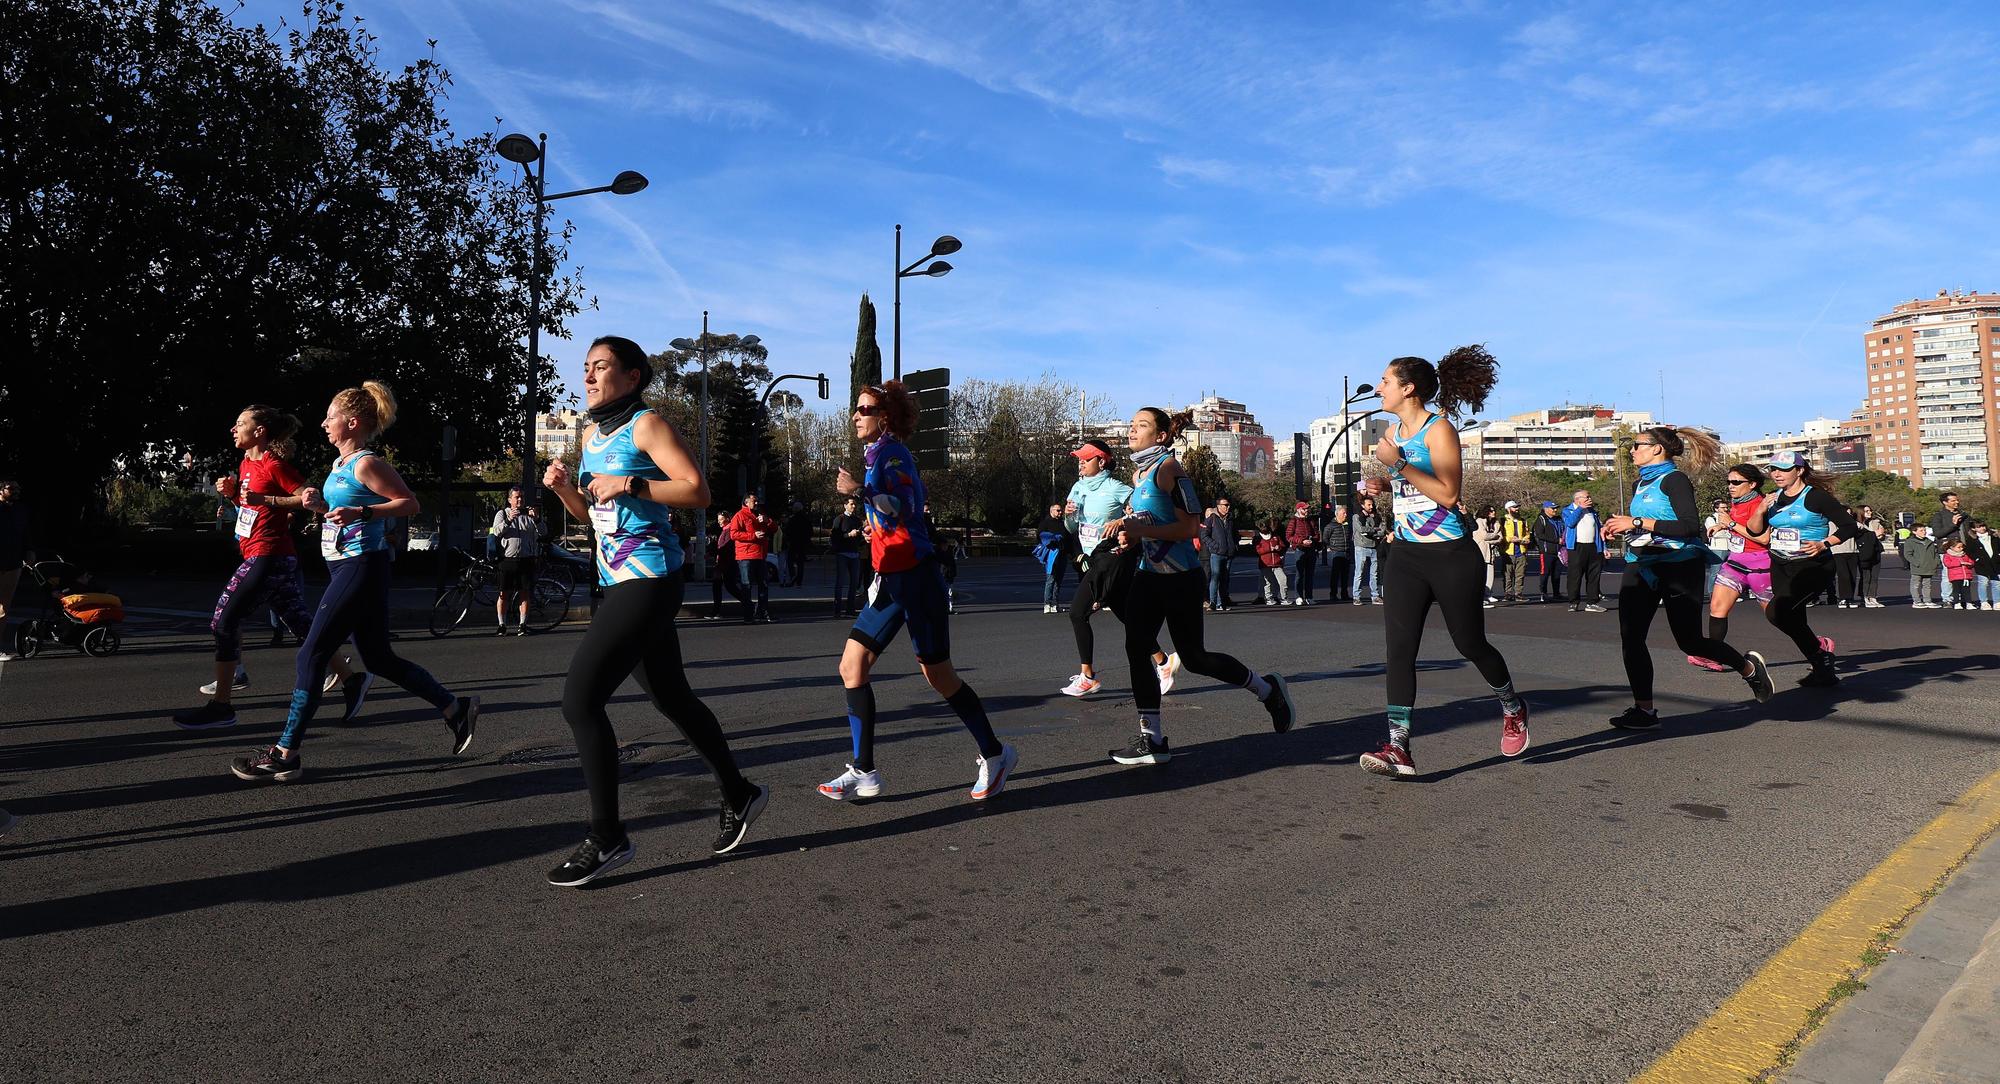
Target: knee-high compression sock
973, 713
1399, 725
1509, 699
1718, 627
861, 724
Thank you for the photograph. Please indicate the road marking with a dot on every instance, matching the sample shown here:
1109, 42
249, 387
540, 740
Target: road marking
1747, 1033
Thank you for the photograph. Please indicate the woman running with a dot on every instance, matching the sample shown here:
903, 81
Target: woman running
1162, 515
1746, 571
1435, 559
265, 489
1096, 499
909, 588
1805, 521
1666, 549
360, 493
633, 470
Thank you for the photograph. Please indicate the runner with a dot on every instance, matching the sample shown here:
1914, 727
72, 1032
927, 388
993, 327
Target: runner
1747, 568
634, 469
1163, 514
1666, 546
1435, 559
360, 492
909, 587
1096, 499
265, 489
1805, 521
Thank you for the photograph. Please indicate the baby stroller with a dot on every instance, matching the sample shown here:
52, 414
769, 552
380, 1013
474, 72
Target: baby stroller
83, 620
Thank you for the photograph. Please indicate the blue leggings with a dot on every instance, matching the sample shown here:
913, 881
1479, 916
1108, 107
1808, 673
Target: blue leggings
356, 604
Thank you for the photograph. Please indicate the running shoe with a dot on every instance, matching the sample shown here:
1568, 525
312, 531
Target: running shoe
1143, 750
499, 630
993, 772
462, 719
1593, 608
1514, 730
1871, 604
735, 820
237, 683
209, 716
1707, 664
354, 693
1759, 678
267, 767
1826, 644
590, 862
1082, 685
852, 783
1168, 671
1391, 760
1636, 718
1821, 676
1279, 703
1378, 600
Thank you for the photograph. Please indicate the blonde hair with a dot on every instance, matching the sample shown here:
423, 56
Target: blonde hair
372, 404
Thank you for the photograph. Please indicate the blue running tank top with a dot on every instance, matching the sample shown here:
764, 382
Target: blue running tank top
1157, 506
635, 538
1418, 518
343, 489
1794, 525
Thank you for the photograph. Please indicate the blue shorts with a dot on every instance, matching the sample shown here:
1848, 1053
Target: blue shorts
916, 596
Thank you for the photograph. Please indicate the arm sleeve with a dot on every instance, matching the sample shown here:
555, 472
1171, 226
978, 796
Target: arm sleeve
1828, 505
1679, 489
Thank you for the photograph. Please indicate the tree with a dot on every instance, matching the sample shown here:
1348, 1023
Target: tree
1205, 472
202, 215
864, 366
676, 394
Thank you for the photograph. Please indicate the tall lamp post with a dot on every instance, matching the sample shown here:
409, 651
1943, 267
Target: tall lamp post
1364, 392
701, 521
532, 156
943, 246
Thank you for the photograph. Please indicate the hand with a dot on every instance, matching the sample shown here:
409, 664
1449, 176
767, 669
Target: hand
557, 476
604, 487
846, 484
226, 487
1770, 499
1112, 528
1069, 508
1388, 451
344, 515
1812, 548
309, 499
1618, 525
534, 513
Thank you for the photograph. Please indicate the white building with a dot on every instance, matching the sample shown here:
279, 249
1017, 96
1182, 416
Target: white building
1812, 438
1574, 438
1324, 433
558, 433
1228, 429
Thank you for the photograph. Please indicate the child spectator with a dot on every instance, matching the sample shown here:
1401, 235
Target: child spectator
1958, 573
1270, 551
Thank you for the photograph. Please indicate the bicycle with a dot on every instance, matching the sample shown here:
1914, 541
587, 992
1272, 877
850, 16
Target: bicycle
478, 585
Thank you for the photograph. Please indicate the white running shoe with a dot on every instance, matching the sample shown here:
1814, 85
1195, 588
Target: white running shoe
1082, 685
1168, 671
852, 783
236, 684
993, 773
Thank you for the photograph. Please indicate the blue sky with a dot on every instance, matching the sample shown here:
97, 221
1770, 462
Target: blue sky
1162, 200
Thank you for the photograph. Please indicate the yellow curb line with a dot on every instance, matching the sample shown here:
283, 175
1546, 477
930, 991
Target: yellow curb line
1747, 1034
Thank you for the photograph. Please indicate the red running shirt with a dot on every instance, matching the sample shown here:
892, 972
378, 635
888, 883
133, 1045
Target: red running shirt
264, 531
1742, 514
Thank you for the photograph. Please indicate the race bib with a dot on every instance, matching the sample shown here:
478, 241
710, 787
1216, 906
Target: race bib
1410, 501
874, 588
329, 540
1735, 542
604, 517
246, 521
1640, 540
1786, 541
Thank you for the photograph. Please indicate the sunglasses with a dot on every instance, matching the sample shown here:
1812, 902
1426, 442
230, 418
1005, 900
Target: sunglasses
1739, 482
868, 410
1645, 444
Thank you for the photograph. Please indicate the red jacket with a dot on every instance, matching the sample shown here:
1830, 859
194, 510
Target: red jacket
1301, 534
1271, 551
744, 527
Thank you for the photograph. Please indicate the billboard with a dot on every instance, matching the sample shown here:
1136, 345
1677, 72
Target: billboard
1848, 455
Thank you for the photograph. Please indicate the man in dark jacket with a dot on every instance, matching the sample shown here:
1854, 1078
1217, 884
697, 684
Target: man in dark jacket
1948, 525
798, 540
1548, 544
1337, 538
1301, 550
1218, 547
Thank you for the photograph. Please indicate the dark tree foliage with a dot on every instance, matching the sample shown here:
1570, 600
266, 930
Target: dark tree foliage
200, 215
737, 375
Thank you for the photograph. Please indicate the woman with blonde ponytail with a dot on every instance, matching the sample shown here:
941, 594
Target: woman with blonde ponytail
1666, 554
360, 492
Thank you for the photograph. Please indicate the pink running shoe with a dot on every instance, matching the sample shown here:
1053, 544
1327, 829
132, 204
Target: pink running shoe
1707, 664
1514, 731
1826, 644
1391, 760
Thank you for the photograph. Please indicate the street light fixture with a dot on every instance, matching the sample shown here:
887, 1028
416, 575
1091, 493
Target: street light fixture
532, 156
701, 347
1360, 394
943, 246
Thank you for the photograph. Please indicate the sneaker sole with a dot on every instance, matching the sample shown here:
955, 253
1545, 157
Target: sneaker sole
1149, 758
1284, 693
209, 689
749, 817
276, 777
999, 782
1763, 690
354, 710
840, 795
464, 741
1080, 694
216, 725
1376, 766
609, 864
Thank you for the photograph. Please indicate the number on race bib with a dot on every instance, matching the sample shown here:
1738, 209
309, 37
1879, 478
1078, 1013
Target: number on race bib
1786, 540
329, 540
604, 517
246, 521
1410, 501
1735, 542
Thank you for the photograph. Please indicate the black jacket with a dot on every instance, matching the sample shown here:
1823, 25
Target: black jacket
1943, 530
1218, 537
1110, 574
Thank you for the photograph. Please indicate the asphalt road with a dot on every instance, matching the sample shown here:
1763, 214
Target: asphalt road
1258, 910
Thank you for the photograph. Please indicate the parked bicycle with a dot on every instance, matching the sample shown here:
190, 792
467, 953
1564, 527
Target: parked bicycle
478, 586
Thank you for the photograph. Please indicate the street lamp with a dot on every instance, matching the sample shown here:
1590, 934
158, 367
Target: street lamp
755, 483
943, 246
1364, 392
533, 157
701, 521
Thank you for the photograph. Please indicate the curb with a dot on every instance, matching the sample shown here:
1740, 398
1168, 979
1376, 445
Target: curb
1960, 1043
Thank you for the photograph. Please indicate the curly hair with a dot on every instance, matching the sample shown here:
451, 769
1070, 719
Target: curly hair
1457, 385
899, 407
372, 404
1698, 449
279, 428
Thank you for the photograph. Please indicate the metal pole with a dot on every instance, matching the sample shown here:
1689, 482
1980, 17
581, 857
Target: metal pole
899, 302
528, 479
1346, 449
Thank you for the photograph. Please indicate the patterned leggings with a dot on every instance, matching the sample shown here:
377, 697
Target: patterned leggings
271, 579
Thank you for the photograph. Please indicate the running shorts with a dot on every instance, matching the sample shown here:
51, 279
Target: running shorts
914, 596
1749, 573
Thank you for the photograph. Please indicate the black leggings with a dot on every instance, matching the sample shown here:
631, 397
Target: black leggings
1677, 586
1081, 607
1451, 575
271, 579
1794, 583
1173, 599
633, 635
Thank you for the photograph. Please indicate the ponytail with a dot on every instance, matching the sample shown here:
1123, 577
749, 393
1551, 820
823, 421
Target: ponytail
1457, 385
1697, 449
372, 404
279, 428
1173, 425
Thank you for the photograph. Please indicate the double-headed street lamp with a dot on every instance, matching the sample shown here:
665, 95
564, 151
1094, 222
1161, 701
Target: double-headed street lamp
532, 156
1364, 392
943, 246
686, 347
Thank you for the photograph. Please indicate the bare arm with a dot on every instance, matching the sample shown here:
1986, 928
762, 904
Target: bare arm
684, 486
381, 479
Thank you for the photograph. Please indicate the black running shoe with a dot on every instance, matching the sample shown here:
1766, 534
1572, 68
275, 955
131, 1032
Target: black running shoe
1759, 678
735, 820
353, 694
1821, 676
1633, 718
499, 630
1143, 750
267, 767
1279, 703
209, 716
462, 718
591, 862
520, 630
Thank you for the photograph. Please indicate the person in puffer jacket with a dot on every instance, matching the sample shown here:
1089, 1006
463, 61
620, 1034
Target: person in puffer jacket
1270, 549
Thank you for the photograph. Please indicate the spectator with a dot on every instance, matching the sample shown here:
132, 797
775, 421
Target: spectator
1487, 534
722, 574
845, 542
1984, 550
1218, 544
1869, 549
1516, 538
1581, 539
517, 531
1948, 525
16, 548
751, 530
1847, 570
1367, 554
1301, 550
1920, 554
1548, 544
1270, 563
1958, 574
1337, 541
798, 544
1052, 553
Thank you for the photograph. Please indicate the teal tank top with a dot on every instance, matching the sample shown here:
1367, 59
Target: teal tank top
1795, 524
343, 489
1418, 518
635, 538
1158, 554
1650, 501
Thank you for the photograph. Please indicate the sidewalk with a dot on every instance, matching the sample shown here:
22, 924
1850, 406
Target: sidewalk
1930, 1012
